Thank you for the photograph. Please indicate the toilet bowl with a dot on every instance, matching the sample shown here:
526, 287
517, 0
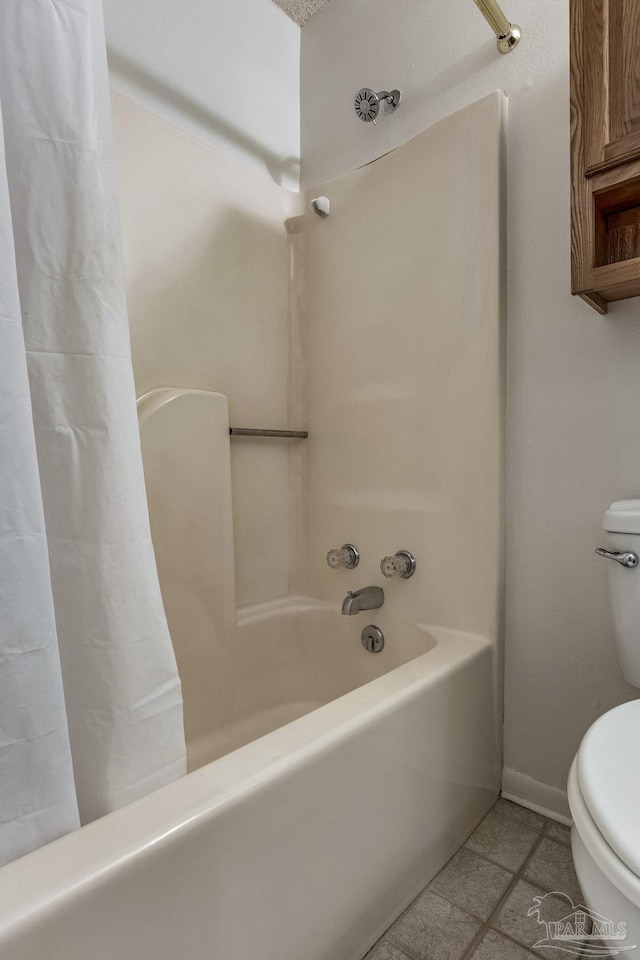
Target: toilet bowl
604, 796
604, 783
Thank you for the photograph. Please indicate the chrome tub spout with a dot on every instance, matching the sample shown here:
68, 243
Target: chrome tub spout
369, 598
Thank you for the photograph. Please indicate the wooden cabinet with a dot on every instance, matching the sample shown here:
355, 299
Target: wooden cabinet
605, 150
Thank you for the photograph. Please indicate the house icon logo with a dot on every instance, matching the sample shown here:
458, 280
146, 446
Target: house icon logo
579, 931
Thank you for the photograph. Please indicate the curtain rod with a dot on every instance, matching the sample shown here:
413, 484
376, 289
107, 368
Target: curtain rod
508, 34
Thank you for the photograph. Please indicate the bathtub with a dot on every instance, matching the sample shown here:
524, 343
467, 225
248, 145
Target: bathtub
286, 659
327, 785
335, 785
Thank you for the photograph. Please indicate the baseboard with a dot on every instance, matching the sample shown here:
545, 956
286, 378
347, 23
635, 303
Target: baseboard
549, 801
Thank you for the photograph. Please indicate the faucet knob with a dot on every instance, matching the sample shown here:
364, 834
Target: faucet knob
345, 556
402, 564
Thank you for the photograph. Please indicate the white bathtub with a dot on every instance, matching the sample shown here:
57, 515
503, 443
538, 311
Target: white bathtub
277, 662
303, 844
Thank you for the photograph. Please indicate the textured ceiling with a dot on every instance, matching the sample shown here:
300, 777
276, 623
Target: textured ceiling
301, 10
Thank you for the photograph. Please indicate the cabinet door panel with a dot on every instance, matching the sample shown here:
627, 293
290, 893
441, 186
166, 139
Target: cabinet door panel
589, 59
624, 69
605, 150
609, 67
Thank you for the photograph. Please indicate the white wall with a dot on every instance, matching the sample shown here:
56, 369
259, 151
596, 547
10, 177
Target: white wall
573, 426
228, 72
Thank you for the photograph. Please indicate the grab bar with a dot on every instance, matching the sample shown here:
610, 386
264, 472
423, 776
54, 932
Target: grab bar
286, 434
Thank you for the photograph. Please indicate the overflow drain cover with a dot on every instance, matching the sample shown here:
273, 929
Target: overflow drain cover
372, 638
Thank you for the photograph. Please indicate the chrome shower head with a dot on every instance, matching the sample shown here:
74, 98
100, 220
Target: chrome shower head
367, 103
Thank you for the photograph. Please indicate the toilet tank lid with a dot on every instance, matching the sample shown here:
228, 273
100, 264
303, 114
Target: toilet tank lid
609, 777
623, 517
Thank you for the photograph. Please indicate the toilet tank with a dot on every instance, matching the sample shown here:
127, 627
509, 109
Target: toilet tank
622, 526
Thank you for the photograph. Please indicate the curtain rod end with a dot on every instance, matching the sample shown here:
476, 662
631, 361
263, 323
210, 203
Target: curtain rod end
510, 40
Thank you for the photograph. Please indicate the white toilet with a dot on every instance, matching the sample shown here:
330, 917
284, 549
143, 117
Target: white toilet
604, 783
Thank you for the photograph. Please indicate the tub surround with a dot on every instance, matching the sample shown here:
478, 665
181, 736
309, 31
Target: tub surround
245, 671
404, 333
211, 307
403, 340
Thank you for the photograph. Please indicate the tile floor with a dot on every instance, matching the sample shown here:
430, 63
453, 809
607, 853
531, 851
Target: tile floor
476, 908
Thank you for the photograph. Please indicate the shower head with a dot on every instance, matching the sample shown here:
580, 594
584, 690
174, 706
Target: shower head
367, 103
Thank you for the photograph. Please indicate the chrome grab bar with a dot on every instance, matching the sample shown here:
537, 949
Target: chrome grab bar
286, 434
628, 559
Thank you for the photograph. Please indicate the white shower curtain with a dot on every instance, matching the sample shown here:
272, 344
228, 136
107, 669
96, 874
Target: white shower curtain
90, 700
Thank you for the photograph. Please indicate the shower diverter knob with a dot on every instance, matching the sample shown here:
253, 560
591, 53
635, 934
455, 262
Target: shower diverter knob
402, 564
346, 556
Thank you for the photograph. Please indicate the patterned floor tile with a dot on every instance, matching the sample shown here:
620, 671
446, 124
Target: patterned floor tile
551, 867
472, 883
434, 929
496, 947
503, 840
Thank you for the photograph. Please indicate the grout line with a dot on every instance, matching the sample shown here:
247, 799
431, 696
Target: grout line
408, 952
547, 829
485, 856
473, 916
495, 863
522, 823
521, 946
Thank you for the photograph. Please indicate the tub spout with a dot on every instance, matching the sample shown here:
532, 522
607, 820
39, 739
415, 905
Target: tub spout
369, 598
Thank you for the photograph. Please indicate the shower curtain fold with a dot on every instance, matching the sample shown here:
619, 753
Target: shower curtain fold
90, 699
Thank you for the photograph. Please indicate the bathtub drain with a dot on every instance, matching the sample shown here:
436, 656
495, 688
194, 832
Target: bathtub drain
372, 638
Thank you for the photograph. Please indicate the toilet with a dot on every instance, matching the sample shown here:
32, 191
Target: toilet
604, 782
